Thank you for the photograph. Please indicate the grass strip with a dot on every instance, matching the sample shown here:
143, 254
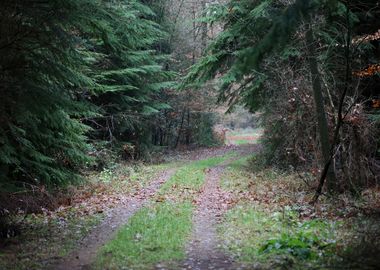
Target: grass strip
188, 180
236, 176
242, 141
157, 233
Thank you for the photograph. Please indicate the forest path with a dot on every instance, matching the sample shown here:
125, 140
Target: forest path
85, 254
203, 251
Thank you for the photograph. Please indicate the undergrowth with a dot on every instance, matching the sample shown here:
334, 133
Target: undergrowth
276, 239
44, 237
54, 232
273, 226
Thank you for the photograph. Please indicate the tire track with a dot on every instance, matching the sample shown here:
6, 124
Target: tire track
85, 254
203, 251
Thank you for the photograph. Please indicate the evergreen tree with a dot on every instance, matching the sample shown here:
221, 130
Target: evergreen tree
64, 64
262, 40
130, 74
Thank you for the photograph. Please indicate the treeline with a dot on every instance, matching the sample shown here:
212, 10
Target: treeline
78, 77
312, 67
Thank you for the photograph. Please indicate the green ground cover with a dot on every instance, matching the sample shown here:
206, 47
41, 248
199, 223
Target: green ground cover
158, 232
53, 234
272, 226
155, 233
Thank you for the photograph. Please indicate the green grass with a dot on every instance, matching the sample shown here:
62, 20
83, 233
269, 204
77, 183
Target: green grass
188, 180
274, 227
240, 164
236, 178
127, 178
274, 239
240, 142
43, 238
248, 173
158, 233
264, 228
76, 230
154, 234
246, 132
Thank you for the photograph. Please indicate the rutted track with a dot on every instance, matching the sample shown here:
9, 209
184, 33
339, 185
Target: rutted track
85, 254
202, 251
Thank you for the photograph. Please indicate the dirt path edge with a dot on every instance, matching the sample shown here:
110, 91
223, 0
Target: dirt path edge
85, 254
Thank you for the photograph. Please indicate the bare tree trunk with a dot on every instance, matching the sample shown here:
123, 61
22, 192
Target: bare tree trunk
320, 109
194, 31
188, 130
203, 27
180, 128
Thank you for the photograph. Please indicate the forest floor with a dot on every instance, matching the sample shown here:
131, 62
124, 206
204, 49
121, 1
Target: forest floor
215, 208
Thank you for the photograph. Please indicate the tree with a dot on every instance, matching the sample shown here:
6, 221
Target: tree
189, 110
258, 43
70, 69
320, 109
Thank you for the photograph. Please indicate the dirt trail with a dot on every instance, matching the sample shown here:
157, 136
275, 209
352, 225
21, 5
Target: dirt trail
204, 153
85, 254
203, 252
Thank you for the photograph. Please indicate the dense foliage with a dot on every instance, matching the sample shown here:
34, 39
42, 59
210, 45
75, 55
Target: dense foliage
71, 69
267, 58
80, 75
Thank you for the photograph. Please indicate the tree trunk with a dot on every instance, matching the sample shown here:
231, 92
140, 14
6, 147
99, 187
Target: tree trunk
320, 109
188, 130
203, 27
180, 128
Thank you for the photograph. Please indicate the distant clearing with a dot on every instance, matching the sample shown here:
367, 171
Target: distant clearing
246, 136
